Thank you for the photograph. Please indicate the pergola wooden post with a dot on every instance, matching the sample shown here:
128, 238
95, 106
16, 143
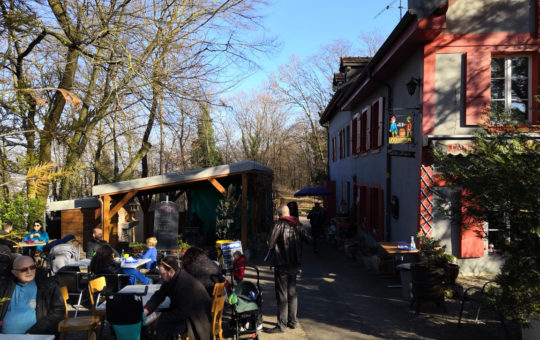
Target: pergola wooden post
109, 212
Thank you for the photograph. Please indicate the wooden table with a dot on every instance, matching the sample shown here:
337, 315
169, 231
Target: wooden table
392, 248
24, 244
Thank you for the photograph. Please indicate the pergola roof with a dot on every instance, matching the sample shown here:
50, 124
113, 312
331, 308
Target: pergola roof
166, 181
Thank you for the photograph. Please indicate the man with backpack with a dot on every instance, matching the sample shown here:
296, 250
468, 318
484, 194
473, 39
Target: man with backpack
316, 217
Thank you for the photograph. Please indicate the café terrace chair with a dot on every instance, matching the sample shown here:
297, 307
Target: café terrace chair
76, 283
97, 286
82, 323
218, 303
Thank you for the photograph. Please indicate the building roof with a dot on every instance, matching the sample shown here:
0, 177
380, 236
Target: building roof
408, 27
180, 177
79, 203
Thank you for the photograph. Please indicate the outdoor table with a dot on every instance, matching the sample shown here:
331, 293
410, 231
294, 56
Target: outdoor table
139, 289
24, 244
86, 262
26, 337
391, 248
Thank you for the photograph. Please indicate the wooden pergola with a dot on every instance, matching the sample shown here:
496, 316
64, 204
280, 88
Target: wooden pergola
255, 179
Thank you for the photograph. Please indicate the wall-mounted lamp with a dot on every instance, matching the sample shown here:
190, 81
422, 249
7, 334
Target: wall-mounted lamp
412, 84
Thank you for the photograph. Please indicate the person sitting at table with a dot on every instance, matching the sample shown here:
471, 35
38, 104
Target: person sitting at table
103, 263
96, 242
190, 303
37, 235
7, 227
201, 267
32, 304
150, 253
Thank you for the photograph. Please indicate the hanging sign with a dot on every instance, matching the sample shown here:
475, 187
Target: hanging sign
400, 130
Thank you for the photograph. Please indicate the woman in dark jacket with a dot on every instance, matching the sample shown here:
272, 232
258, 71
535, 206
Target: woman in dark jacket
201, 267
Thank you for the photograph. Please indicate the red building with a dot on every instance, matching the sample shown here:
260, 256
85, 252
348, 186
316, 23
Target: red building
441, 69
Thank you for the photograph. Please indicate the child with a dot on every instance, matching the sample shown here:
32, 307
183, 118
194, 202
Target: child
238, 260
332, 232
150, 253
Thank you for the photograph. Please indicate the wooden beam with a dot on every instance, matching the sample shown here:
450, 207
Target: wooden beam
122, 202
244, 209
221, 189
218, 186
106, 220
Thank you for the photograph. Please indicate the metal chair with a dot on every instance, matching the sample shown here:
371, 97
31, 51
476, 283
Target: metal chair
478, 296
76, 283
83, 323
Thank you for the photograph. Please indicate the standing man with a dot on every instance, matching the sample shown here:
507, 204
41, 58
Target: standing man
286, 242
190, 306
96, 242
29, 304
316, 217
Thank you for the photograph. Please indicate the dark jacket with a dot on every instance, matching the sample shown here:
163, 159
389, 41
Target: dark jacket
94, 244
206, 271
189, 302
286, 241
50, 306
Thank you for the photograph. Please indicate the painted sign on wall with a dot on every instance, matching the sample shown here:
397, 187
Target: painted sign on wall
400, 130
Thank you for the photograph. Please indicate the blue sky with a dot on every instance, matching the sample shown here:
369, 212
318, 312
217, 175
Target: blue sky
303, 26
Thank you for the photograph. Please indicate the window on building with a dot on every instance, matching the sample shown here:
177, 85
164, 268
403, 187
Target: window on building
376, 123
364, 131
510, 83
348, 141
355, 134
341, 143
334, 148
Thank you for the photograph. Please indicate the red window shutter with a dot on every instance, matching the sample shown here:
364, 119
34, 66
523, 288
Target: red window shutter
472, 233
380, 125
363, 207
537, 21
380, 214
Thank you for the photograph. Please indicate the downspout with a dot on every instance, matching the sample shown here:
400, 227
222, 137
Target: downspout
386, 121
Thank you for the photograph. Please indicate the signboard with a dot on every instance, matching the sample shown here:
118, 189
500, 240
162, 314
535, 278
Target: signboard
166, 225
227, 251
401, 131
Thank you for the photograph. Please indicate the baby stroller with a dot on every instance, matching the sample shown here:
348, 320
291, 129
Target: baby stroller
246, 304
126, 315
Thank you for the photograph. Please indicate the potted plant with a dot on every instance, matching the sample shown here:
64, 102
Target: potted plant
500, 176
433, 255
183, 246
135, 248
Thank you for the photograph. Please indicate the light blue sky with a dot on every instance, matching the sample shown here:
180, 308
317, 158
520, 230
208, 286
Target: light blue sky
303, 26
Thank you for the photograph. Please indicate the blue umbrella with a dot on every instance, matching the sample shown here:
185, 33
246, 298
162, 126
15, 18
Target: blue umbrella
313, 191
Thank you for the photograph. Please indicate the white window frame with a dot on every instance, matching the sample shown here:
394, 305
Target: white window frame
508, 82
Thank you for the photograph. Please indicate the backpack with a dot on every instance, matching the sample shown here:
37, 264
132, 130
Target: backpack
61, 255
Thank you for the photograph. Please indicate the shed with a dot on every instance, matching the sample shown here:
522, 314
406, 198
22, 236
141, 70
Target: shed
202, 187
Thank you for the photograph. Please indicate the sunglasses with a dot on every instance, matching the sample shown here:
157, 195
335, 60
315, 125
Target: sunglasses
37, 225
25, 269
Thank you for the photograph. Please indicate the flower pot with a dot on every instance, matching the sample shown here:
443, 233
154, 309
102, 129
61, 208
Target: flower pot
452, 272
